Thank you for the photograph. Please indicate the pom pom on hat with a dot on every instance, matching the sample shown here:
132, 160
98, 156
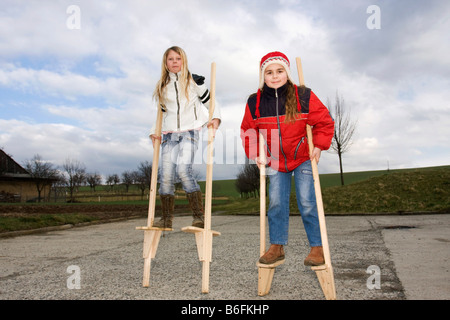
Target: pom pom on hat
271, 58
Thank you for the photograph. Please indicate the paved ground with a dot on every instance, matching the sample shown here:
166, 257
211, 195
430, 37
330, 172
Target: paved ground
411, 252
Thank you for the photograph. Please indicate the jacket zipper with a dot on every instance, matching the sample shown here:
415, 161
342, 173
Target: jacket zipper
178, 103
279, 129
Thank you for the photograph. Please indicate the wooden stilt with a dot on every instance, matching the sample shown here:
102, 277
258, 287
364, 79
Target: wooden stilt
203, 237
265, 271
152, 235
262, 197
265, 276
324, 272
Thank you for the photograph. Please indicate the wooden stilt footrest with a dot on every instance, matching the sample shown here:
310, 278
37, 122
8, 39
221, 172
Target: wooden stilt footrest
154, 228
191, 229
326, 279
203, 238
152, 236
270, 266
265, 276
199, 234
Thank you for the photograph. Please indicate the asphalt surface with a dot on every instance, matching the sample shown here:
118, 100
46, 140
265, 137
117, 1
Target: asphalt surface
411, 253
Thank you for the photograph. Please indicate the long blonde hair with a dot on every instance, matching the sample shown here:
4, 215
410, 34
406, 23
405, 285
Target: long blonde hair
185, 75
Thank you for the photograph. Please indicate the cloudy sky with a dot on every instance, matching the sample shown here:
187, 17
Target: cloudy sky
77, 77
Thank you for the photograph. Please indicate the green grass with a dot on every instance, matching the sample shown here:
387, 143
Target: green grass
40, 221
395, 192
334, 179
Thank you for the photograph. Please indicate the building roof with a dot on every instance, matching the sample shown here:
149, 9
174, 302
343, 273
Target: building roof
10, 168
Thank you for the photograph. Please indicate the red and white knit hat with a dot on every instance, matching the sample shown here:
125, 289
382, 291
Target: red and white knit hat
271, 58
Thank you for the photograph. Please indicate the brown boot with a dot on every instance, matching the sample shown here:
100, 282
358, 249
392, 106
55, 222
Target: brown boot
274, 254
196, 204
315, 257
167, 206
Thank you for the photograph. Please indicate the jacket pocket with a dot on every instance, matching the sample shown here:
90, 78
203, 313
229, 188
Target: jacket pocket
298, 147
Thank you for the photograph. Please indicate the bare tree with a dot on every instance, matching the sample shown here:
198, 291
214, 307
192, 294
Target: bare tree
44, 173
247, 181
93, 179
59, 186
112, 180
127, 179
145, 168
138, 180
344, 128
142, 176
76, 175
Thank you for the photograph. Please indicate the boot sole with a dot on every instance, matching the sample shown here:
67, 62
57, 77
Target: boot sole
313, 263
272, 261
162, 226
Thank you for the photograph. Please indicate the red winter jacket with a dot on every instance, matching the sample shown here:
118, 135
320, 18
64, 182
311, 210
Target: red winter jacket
286, 144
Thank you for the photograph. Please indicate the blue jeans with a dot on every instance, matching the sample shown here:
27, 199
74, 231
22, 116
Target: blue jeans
278, 213
177, 155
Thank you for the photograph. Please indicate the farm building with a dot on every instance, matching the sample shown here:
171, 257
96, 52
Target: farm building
17, 184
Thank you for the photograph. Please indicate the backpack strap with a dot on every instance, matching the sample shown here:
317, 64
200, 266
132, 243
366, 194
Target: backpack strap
253, 104
303, 94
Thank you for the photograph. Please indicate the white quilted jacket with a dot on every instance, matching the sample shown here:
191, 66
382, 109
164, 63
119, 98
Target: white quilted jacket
181, 114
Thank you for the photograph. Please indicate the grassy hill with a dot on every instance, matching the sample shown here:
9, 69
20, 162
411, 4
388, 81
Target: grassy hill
417, 190
394, 191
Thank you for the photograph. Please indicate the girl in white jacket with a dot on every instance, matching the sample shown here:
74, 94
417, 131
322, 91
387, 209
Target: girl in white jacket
184, 99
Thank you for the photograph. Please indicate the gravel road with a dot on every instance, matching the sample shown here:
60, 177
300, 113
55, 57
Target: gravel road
411, 253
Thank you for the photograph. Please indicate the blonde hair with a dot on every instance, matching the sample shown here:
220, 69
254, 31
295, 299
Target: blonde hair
185, 75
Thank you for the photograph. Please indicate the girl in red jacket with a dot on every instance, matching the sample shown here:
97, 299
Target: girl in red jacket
280, 111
